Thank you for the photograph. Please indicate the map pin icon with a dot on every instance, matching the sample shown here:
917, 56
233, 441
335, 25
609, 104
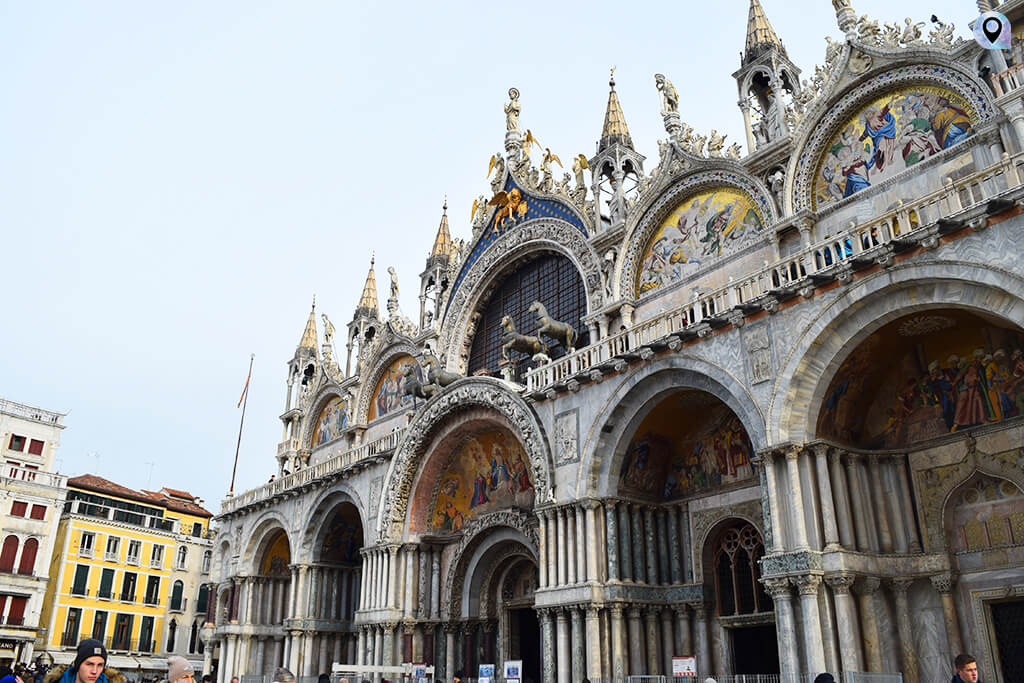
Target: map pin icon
992, 27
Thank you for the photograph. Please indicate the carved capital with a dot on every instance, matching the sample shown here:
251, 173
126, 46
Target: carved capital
777, 588
943, 582
616, 610
634, 612
901, 585
808, 584
840, 583
867, 585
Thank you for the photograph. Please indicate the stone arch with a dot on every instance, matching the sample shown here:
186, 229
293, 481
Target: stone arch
721, 173
637, 394
830, 112
313, 525
499, 259
434, 421
709, 526
823, 341
323, 396
483, 540
380, 364
262, 534
223, 560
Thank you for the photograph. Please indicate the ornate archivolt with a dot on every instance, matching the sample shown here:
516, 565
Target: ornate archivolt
319, 512
704, 522
541, 235
811, 138
261, 531
475, 392
717, 175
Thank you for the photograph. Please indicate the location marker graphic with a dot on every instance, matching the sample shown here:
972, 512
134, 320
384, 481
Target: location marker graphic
992, 31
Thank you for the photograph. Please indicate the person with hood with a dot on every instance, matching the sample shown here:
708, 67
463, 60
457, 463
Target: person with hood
90, 666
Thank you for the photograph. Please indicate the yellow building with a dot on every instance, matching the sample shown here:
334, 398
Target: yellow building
122, 561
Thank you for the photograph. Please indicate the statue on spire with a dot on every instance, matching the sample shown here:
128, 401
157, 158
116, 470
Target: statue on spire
669, 94
512, 110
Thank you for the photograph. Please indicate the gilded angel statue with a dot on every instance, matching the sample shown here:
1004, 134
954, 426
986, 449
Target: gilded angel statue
578, 165
528, 140
547, 177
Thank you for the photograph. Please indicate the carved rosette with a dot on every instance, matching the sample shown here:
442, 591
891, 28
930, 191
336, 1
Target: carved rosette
543, 234
475, 392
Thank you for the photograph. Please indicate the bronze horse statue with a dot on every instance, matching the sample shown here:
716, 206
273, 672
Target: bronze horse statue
513, 341
437, 375
412, 386
564, 333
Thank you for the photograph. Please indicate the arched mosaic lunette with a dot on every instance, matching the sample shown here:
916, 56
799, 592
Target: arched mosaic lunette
543, 235
811, 145
471, 392
324, 395
635, 242
381, 363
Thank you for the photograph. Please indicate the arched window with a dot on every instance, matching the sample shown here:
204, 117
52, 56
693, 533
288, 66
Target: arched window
28, 557
555, 282
182, 557
204, 593
172, 632
176, 593
207, 556
8, 553
193, 636
736, 572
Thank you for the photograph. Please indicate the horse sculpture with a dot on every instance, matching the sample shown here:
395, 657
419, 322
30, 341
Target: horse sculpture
564, 333
437, 375
513, 341
412, 386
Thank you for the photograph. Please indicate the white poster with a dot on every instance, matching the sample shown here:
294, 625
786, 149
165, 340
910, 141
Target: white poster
684, 666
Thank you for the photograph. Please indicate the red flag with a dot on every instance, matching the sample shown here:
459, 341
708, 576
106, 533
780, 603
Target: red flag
246, 389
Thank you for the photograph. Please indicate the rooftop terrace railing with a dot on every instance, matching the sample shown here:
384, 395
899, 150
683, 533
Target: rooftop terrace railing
328, 467
899, 227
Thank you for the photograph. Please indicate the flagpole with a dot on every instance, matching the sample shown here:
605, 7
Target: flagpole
238, 446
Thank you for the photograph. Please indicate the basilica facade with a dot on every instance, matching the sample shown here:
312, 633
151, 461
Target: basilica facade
762, 409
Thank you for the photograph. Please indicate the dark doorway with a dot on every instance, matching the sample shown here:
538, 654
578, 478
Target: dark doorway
755, 650
525, 643
1008, 623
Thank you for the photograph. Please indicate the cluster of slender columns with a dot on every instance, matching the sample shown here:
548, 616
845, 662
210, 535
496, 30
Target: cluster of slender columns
646, 544
405, 577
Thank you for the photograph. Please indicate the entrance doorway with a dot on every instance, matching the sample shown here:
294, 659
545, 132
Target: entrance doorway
755, 650
1008, 624
525, 642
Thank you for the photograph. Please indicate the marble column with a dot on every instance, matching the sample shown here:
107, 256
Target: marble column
625, 543
591, 533
906, 500
422, 607
435, 584
900, 541
582, 545
944, 585
814, 646
389, 643
449, 651
651, 545
846, 621
879, 504
325, 649
857, 503
768, 462
361, 647
653, 660
684, 642
307, 654
907, 651
667, 644
571, 545
378, 645
636, 644
261, 652
639, 555
785, 627
661, 528
865, 589
563, 651
828, 508
841, 500
593, 649
542, 538
363, 581
560, 549
407, 597
394, 589
611, 520
675, 554
548, 650
796, 500
619, 668
578, 667
702, 632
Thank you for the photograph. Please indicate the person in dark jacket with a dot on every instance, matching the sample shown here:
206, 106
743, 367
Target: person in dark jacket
966, 669
90, 666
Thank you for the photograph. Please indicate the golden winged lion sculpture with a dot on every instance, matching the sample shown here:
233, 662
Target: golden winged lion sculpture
511, 205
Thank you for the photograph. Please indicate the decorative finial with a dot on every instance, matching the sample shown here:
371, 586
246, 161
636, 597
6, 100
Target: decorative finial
444, 208
611, 79
314, 302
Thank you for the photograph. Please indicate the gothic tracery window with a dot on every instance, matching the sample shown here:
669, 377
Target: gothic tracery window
736, 572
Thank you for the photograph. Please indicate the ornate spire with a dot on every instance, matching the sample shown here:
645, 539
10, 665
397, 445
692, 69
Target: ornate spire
443, 242
368, 301
615, 130
760, 34
309, 337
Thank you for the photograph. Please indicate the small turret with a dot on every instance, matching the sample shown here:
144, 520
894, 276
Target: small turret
303, 365
617, 167
365, 322
434, 278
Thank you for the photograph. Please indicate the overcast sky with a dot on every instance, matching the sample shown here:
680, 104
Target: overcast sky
177, 180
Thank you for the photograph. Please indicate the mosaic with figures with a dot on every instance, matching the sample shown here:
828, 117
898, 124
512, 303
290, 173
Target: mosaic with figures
689, 443
701, 229
486, 472
333, 420
923, 376
389, 394
888, 136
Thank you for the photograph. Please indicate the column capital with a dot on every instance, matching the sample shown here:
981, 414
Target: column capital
820, 449
901, 585
616, 610
593, 611
834, 456
792, 451
840, 583
680, 609
634, 612
807, 584
943, 582
590, 504
778, 588
390, 626
867, 585
700, 609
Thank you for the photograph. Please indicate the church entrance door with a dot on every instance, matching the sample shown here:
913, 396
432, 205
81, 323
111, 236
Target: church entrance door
1008, 625
755, 649
525, 643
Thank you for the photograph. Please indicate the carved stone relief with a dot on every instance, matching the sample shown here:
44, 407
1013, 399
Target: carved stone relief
567, 437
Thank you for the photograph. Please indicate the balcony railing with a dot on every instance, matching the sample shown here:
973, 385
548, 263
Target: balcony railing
85, 552
896, 227
1007, 81
326, 468
81, 507
111, 556
127, 596
38, 477
151, 600
29, 413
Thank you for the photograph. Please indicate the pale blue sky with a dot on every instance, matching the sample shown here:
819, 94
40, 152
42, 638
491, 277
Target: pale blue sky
177, 180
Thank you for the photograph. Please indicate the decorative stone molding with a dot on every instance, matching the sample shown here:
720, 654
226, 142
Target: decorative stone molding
473, 392
540, 235
791, 563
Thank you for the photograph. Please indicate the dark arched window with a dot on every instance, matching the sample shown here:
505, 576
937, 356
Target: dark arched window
192, 637
28, 557
737, 589
8, 553
551, 279
172, 631
176, 593
204, 592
